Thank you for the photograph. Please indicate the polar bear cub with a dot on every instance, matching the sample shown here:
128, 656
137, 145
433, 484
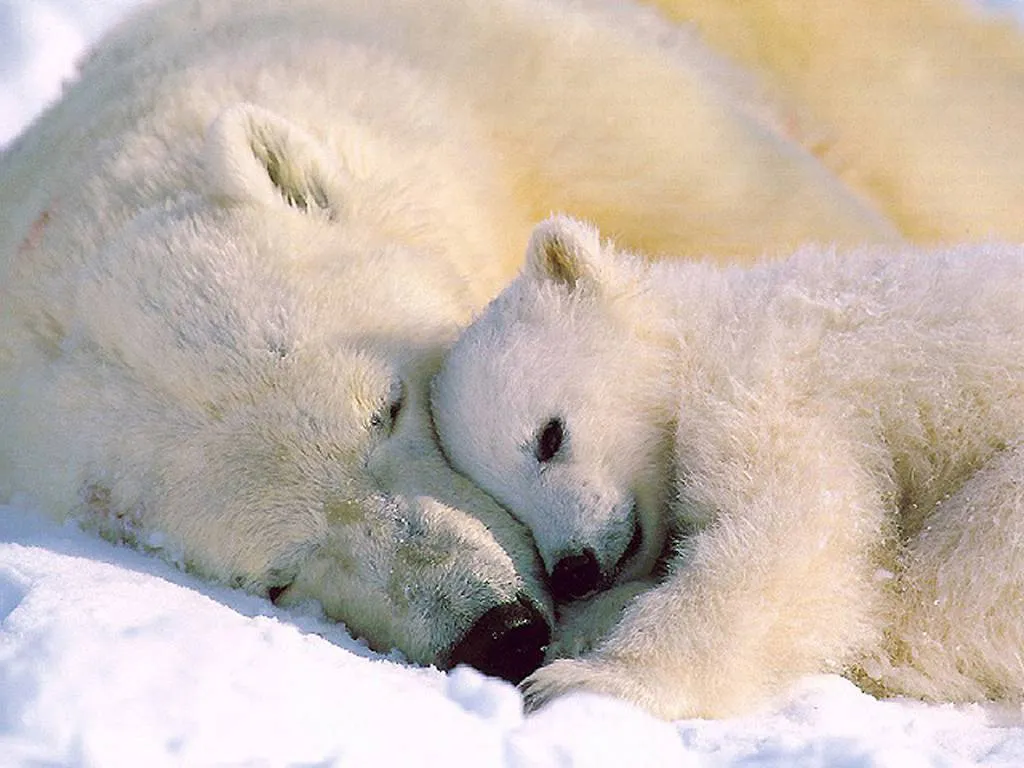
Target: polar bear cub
816, 462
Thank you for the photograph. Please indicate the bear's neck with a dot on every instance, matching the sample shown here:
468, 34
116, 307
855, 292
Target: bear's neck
679, 310
690, 302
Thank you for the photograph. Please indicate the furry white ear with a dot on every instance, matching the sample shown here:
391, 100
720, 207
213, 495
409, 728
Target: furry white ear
255, 155
566, 251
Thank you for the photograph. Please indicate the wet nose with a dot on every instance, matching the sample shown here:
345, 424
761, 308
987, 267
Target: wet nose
575, 576
507, 642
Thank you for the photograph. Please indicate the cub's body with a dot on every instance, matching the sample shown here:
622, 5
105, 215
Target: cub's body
829, 445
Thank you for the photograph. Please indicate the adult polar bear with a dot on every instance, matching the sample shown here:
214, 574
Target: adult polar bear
910, 103
231, 257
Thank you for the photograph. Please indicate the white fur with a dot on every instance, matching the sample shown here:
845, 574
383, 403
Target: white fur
831, 443
252, 226
914, 104
250, 223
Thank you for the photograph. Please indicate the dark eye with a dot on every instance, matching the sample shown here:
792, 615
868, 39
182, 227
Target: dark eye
387, 415
549, 441
395, 408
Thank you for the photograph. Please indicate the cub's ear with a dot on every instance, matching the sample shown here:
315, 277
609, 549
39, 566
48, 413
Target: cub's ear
255, 155
566, 251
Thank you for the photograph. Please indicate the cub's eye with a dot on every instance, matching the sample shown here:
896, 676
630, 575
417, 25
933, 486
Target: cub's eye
549, 441
386, 416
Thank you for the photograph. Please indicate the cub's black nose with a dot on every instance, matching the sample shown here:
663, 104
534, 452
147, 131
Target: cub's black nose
507, 642
575, 576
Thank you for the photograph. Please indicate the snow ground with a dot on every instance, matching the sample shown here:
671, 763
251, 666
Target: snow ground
109, 657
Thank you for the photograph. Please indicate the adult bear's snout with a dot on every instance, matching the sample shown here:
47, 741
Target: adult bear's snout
508, 641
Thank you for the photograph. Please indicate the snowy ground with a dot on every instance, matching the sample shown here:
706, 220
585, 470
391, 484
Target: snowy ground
112, 658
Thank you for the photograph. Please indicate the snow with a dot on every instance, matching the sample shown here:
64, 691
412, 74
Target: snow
109, 657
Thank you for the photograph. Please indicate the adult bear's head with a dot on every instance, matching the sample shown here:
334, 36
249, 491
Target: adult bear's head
238, 374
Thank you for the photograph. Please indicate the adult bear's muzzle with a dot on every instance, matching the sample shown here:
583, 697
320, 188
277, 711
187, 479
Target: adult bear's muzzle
508, 641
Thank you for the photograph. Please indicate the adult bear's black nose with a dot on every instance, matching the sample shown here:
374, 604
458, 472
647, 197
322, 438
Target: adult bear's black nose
507, 642
575, 576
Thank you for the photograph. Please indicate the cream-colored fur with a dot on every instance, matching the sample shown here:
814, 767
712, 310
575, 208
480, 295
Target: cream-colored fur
830, 446
233, 253
916, 104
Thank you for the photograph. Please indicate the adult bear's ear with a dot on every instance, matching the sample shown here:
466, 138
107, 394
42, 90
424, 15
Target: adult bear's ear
255, 155
566, 251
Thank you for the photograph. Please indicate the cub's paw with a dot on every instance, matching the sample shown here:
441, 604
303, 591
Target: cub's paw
591, 675
584, 624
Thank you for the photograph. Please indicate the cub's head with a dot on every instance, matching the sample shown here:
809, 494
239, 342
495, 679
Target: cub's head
554, 401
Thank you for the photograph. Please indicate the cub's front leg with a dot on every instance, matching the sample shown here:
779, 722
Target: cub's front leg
779, 583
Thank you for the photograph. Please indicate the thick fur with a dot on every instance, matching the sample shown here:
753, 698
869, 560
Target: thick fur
233, 254
828, 448
914, 104
246, 235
